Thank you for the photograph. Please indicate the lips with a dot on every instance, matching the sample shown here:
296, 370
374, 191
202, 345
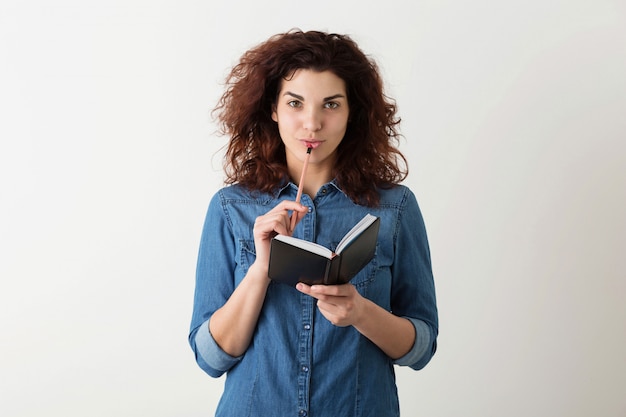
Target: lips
312, 143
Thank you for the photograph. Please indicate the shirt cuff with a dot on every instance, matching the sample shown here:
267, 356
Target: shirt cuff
211, 353
422, 342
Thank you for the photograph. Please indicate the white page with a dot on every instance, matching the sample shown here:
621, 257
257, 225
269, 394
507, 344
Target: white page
355, 231
305, 244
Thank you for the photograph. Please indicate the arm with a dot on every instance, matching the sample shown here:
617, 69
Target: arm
233, 324
217, 294
408, 332
343, 306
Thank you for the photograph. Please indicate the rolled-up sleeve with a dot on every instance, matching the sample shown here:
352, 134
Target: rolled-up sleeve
419, 355
211, 357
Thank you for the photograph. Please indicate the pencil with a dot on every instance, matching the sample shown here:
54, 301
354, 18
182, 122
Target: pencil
294, 215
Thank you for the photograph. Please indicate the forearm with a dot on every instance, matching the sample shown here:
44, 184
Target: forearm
392, 334
232, 326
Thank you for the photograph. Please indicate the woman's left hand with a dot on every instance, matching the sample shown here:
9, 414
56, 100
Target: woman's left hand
342, 305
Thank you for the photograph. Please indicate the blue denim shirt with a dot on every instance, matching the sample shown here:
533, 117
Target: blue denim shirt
299, 364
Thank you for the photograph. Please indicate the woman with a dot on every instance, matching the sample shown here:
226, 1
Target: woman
311, 350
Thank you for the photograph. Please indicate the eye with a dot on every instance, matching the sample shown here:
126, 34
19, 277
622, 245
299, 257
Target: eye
331, 105
294, 103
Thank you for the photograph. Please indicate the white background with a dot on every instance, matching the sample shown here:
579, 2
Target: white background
514, 122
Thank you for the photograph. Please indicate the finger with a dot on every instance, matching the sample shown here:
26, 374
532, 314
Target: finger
269, 225
308, 290
336, 315
303, 288
288, 205
279, 215
296, 216
331, 290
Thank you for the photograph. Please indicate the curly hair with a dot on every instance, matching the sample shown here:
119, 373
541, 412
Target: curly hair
367, 158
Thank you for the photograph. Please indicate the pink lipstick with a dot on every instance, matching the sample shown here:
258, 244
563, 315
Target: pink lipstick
312, 144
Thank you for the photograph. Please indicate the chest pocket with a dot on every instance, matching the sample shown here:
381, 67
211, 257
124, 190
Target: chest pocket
247, 255
365, 277
367, 274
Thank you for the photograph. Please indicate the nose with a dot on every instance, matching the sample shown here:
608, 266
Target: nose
312, 120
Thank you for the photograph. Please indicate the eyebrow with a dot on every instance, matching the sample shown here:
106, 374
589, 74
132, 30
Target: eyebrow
299, 97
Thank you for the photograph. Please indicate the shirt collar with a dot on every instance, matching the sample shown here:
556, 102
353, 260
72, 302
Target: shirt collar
289, 185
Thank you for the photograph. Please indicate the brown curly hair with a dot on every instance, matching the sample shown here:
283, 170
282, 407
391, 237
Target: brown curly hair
367, 157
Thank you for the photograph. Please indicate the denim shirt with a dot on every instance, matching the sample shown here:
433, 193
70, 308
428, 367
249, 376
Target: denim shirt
299, 364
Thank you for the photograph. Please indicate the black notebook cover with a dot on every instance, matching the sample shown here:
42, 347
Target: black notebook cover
291, 264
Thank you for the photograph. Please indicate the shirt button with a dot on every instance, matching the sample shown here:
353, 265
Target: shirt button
302, 413
323, 190
310, 209
307, 327
305, 368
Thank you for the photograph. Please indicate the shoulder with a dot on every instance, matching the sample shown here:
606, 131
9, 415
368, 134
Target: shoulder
239, 204
235, 208
397, 196
402, 202
235, 193
232, 192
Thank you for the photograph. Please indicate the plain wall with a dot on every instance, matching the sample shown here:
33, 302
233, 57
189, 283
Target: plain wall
514, 122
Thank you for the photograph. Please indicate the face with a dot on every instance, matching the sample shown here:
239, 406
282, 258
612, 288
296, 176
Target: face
312, 111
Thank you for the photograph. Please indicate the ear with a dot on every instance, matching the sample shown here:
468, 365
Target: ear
274, 115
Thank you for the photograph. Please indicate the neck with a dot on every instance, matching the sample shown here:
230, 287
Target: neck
316, 176
314, 181
319, 171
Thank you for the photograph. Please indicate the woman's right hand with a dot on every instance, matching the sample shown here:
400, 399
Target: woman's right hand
276, 221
